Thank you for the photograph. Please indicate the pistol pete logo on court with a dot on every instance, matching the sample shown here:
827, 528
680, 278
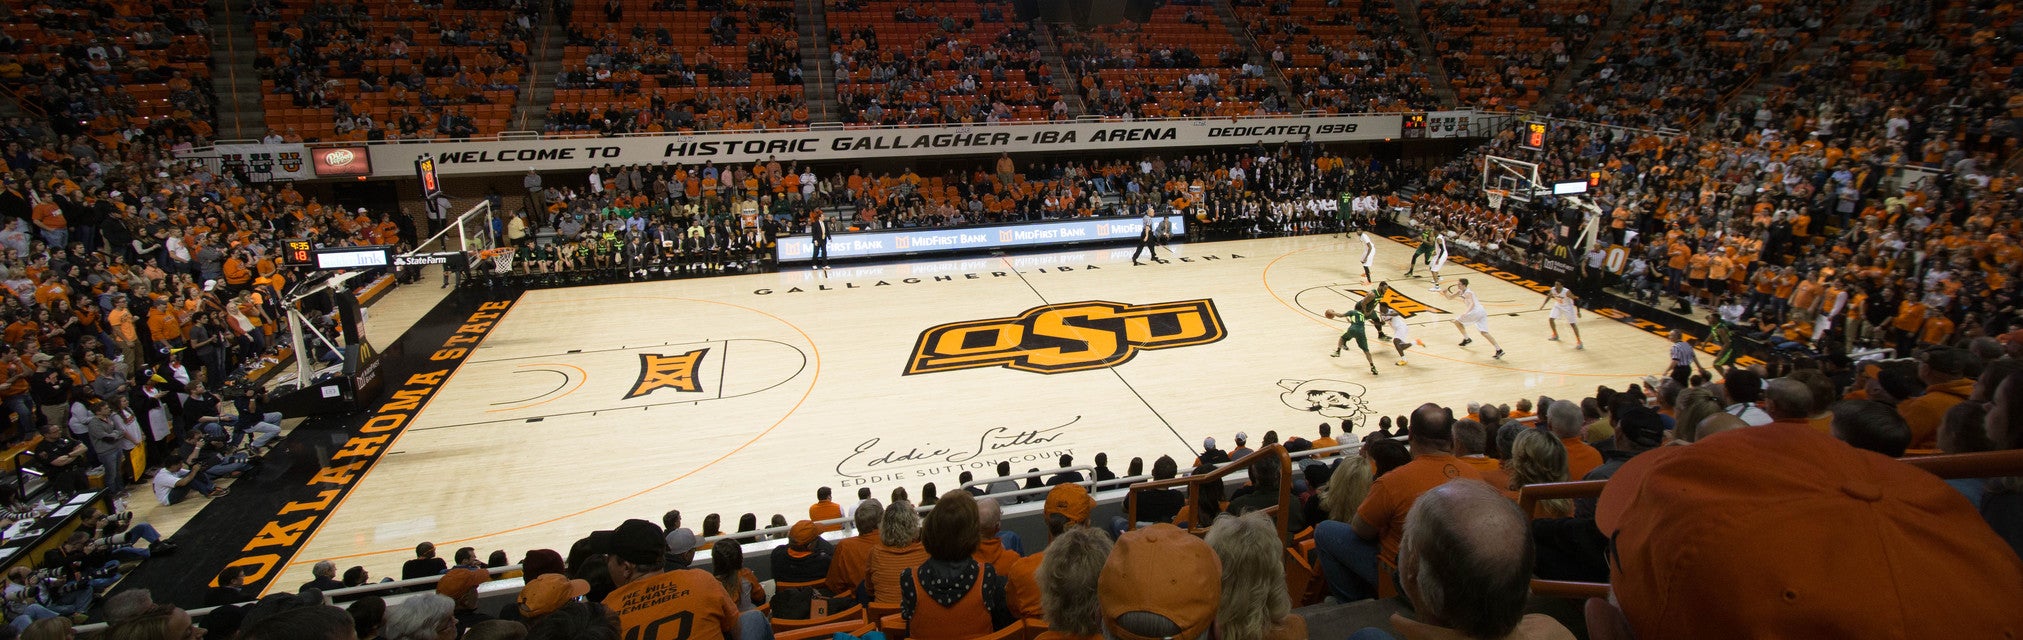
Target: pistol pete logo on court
1405, 305
667, 372
1062, 338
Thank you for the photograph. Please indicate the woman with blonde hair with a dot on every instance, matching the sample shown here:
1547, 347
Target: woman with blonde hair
1347, 488
1067, 580
898, 549
1693, 406
1255, 605
1538, 458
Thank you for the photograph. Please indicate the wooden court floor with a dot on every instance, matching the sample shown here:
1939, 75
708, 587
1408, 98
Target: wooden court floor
586, 406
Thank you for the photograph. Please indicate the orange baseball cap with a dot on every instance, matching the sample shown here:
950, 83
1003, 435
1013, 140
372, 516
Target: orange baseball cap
460, 581
800, 535
1159, 572
1786, 532
1072, 501
546, 594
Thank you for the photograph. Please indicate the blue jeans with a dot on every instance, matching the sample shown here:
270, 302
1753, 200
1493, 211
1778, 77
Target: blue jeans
24, 413
1372, 633
110, 567
264, 427
75, 602
752, 625
29, 614
1348, 561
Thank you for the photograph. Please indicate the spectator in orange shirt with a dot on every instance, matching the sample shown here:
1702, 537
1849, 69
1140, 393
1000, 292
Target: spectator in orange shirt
1350, 553
1566, 421
990, 549
825, 509
1944, 373
1067, 510
847, 565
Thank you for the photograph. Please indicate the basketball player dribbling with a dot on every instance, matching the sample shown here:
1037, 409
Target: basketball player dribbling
1475, 315
1355, 318
1439, 260
1369, 255
1564, 307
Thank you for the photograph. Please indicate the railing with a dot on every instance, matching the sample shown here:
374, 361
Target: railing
27, 106
347, 593
1991, 464
1193, 485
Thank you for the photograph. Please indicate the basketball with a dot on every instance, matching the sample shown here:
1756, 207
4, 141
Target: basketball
1329, 313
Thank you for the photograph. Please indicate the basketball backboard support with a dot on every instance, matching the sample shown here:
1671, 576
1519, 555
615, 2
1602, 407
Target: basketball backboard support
1511, 178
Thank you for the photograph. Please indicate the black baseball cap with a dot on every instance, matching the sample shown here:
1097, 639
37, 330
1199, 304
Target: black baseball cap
1642, 427
635, 541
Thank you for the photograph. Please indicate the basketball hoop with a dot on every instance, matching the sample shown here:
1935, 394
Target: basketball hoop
1496, 199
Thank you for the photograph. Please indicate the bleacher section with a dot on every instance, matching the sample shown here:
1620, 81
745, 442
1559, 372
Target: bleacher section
1501, 55
373, 69
1181, 63
104, 67
680, 65
1679, 60
937, 62
1340, 56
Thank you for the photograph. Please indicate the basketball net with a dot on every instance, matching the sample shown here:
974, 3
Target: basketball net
1496, 199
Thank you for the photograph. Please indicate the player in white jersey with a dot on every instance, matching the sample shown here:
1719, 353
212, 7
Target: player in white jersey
1474, 315
1564, 307
1439, 259
1369, 255
1401, 335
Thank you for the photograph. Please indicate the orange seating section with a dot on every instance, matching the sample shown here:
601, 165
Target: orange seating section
934, 62
149, 61
1504, 54
732, 78
1351, 57
393, 40
1704, 50
1144, 69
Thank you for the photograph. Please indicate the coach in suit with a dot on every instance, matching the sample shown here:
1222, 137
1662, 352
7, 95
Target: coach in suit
819, 229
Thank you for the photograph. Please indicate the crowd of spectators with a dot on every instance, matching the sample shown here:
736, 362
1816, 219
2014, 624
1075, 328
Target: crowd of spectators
1791, 231
1182, 62
1426, 507
938, 62
1503, 55
391, 71
1679, 60
1339, 57
109, 69
672, 65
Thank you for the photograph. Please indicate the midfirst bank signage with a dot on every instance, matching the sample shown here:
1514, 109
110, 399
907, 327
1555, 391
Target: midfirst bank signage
391, 160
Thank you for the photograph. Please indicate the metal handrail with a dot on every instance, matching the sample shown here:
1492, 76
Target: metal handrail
1193, 484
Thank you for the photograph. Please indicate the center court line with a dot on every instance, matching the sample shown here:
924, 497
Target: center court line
1112, 368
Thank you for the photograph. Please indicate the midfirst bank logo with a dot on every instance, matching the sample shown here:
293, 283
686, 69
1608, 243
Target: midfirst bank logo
1062, 338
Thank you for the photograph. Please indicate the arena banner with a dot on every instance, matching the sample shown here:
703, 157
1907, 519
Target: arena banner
396, 159
898, 242
269, 162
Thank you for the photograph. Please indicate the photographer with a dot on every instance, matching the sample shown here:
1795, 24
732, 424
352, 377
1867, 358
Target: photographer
201, 410
83, 559
177, 479
120, 534
28, 598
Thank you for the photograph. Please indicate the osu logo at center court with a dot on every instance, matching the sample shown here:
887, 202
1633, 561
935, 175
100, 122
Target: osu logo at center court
1060, 338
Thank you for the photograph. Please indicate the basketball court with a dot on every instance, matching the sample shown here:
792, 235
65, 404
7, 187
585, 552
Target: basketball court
585, 406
